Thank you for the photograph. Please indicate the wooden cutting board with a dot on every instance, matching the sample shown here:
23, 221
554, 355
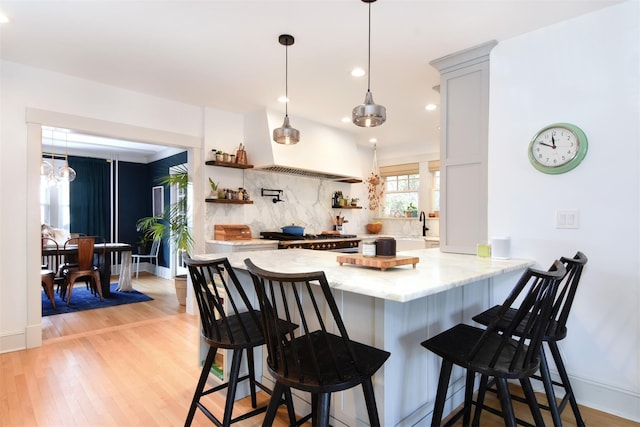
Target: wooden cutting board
378, 262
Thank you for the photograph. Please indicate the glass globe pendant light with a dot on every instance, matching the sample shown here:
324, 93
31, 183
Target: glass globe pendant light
286, 134
45, 167
65, 173
369, 114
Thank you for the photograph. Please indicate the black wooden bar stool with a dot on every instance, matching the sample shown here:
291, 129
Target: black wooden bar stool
557, 331
316, 361
237, 328
495, 352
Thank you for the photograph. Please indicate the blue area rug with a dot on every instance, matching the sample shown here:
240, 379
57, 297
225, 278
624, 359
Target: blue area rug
82, 299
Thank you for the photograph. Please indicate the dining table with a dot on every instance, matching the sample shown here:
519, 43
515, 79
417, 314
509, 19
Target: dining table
104, 252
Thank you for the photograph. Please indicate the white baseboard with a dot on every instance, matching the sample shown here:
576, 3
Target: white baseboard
607, 398
602, 397
12, 341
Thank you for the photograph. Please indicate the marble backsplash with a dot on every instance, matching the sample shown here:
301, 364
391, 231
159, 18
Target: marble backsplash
306, 203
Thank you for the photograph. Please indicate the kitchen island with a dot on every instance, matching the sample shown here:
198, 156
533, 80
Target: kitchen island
395, 310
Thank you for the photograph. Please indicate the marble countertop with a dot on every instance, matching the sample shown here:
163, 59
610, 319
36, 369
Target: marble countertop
244, 242
435, 272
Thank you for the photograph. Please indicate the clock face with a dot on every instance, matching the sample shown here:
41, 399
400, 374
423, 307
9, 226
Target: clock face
558, 148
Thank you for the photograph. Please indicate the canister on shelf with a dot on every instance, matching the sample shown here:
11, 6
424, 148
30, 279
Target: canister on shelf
386, 246
369, 248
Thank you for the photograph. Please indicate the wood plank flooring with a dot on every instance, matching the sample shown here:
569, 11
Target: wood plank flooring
130, 365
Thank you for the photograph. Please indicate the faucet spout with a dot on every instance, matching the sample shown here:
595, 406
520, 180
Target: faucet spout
423, 218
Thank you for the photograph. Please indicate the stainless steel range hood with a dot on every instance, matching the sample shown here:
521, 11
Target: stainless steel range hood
323, 152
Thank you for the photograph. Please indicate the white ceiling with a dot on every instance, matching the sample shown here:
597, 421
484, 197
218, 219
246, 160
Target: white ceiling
226, 55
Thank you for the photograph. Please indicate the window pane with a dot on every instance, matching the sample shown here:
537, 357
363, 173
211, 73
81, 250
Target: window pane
401, 190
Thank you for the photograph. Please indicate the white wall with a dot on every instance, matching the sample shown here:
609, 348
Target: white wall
586, 72
107, 107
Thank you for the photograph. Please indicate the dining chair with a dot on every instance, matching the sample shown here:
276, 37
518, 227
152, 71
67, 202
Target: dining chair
151, 256
557, 331
84, 268
229, 322
50, 264
496, 351
319, 358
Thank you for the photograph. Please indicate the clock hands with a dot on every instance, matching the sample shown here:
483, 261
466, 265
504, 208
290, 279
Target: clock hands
547, 145
553, 141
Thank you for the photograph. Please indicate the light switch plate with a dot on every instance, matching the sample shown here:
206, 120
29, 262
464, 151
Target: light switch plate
567, 218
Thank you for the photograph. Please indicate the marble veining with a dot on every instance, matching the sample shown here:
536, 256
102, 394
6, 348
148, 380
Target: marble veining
436, 272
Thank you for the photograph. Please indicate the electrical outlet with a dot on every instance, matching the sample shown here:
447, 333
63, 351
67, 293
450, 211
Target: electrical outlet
567, 218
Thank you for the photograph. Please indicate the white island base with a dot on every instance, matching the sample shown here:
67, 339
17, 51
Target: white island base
394, 310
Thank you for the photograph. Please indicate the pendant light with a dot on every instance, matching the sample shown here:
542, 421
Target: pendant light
65, 173
52, 180
45, 166
286, 134
369, 114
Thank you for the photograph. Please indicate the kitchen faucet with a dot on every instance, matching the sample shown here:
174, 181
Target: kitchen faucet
423, 218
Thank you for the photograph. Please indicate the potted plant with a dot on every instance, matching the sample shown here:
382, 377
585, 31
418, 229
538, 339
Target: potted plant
143, 243
411, 211
214, 189
172, 224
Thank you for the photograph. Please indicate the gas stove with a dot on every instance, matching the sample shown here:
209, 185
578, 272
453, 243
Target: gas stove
269, 235
319, 242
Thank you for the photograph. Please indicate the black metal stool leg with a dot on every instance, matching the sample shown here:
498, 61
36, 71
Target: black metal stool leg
370, 400
468, 397
545, 375
482, 391
531, 400
276, 395
322, 414
441, 394
555, 352
202, 382
233, 385
252, 377
505, 402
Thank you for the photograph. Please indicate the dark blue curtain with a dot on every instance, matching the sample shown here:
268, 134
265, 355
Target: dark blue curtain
89, 197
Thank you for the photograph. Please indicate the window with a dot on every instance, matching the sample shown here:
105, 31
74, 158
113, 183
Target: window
402, 185
54, 203
434, 170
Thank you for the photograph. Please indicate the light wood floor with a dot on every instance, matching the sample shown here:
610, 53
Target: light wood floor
130, 365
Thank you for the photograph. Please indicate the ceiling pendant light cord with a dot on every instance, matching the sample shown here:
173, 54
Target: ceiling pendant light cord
286, 80
369, 55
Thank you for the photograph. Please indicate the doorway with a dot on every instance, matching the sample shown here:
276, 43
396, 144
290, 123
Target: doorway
35, 120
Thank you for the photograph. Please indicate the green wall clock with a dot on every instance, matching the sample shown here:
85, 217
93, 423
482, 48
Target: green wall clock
558, 148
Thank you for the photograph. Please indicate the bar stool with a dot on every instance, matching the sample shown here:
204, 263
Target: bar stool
228, 322
316, 361
556, 332
496, 352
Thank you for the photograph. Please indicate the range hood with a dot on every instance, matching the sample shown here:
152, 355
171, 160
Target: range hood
323, 152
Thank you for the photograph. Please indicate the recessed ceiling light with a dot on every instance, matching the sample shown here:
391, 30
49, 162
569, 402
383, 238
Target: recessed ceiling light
346, 120
373, 140
431, 107
3, 18
357, 72
283, 99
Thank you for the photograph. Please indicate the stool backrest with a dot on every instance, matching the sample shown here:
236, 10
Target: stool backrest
215, 287
521, 334
303, 299
566, 294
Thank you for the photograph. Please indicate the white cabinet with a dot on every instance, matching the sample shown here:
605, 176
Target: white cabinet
464, 99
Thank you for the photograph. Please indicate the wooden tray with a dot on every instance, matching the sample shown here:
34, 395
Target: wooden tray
378, 262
